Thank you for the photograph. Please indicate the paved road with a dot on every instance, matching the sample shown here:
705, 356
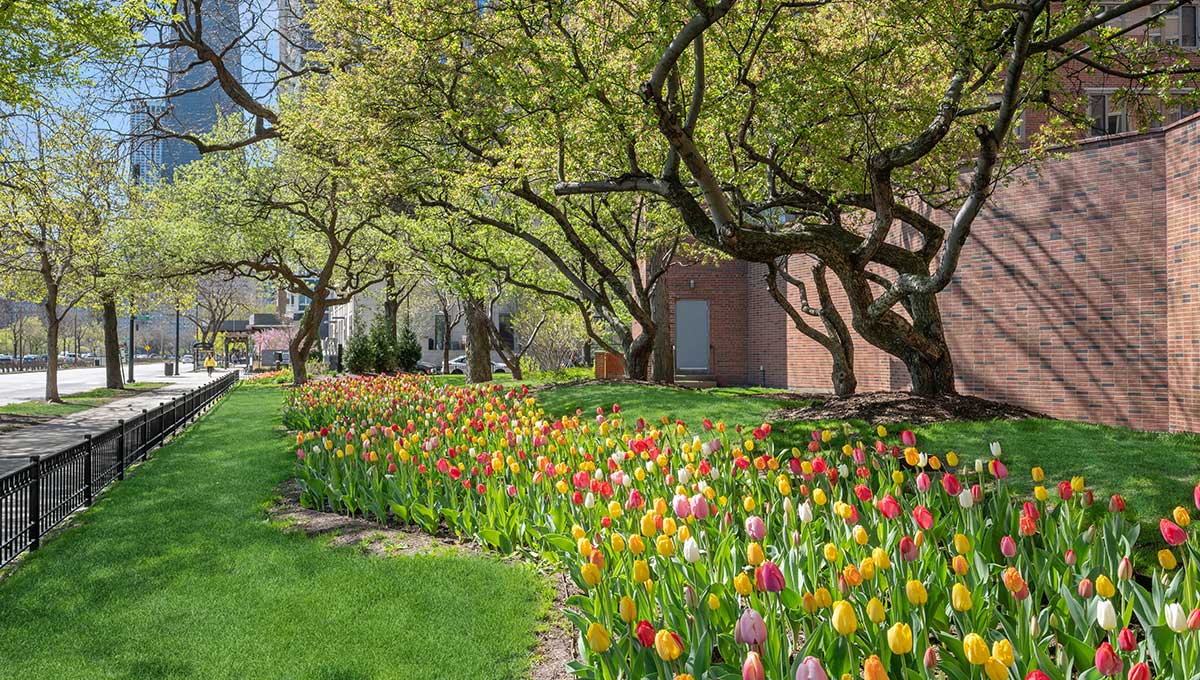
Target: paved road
16, 387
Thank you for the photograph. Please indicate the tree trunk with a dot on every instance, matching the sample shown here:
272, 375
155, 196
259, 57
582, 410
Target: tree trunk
663, 369
587, 352
637, 357
52, 329
479, 360
306, 335
391, 304
112, 346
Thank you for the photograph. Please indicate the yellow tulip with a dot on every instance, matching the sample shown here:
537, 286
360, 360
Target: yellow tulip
614, 509
648, 526
713, 602
628, 609
1038, 474
669, 526
1182, 518
1105, 587
1040, 493
844, 620
617, 541
959, 565
881, 431
867, 568
585, 547
975, 649
962, 544
784, 486
951, 458
824, 599
591, 574
912, 456
995, 669
1077, 484
1166, 559
960, 598
754, 554
831, 552
641, 571
742, 584
882, 561
1003, 651
636, 545
810, 602
826, 435
860, 534
897, 477
598, 638
684, 533
577, 532
915, 591
665, 546
819, 497
875, 611
748, 504
666, 646
900, 638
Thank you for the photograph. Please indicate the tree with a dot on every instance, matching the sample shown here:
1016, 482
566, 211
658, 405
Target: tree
861, 173
284, 217
62, 190
559, 338
217, 299
408, 352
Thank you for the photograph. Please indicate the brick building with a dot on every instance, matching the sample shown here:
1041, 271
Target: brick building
1078, 295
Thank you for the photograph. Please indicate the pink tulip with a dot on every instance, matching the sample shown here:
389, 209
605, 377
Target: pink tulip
923, 482
1196, 496
1139, 671
682, 506
908, 438
1086, 589
810, 669
908, 549
768, 578
931, 658
1037, 675
755, 528
699, 506
998, 469
1107, 661
750, 629
752, 669
889, 507
1069, 558
1193, 620
1171, 532
1008, 547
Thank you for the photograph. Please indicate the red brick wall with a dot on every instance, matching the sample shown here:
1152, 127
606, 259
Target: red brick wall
1078, 294
1183, 273
724, 287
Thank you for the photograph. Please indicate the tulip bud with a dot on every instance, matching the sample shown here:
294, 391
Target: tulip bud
1193, 621
931, 658
1107, 661
752, 669
810, 669
1126, 640
1125, 569
1139, 671
1106, 615
1035, 626
1008, 547
1086, 589
1175, 616
1069, 558
689, 597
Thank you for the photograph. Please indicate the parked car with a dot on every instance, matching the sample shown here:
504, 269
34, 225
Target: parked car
6, 358
187, 359
459, 365
30, 358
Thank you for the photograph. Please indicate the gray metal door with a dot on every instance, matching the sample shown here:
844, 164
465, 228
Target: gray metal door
691, 336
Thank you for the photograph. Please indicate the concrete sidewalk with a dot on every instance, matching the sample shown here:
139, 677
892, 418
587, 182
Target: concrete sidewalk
43, 439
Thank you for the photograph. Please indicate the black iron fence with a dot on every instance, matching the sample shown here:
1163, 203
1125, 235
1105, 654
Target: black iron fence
39, 496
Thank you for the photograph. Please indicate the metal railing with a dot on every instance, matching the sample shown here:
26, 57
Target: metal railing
41, 495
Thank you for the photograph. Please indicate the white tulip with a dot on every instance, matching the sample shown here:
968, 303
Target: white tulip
706, 449
805, 512
1106, 615
589, 501
966, 499
626, 481
788, 507
684, 476
1035, 626
1176, 617
843, 471
691, 550
650, 466
598, 475
995, 449
979, 466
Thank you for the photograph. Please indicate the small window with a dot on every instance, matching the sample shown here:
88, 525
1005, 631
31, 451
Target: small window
1177, 27
1107, 118
506, 330
439, 332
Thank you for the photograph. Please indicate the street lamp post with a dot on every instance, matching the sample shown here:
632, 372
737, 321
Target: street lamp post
177, 339
129, 351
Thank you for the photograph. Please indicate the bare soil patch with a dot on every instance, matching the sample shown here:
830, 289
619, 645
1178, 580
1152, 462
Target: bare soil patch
555, 638
902, 407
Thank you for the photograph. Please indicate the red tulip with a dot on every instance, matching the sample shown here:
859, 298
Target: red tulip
1196, 496
951, 484
1171, 532
768, 578
1116, 503
908, 550
923, 517
1037, 675
1107, 661
1064, 490
645, 633
1126, 640
1139, 671
889, 507
1193, 620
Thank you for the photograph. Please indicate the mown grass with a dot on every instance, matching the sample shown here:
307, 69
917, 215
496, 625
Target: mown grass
79, 401
177, 574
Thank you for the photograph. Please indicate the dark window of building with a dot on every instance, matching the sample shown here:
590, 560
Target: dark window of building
439, 331
1107, 118
506, 330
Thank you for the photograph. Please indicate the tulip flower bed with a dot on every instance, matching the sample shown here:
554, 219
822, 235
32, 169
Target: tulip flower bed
706, 551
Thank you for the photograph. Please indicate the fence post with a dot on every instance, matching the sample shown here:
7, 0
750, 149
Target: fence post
88, 496
145, 435
35, 504
121, 449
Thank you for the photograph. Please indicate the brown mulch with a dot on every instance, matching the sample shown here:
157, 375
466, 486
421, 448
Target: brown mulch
18, 420
555, 638
901, 407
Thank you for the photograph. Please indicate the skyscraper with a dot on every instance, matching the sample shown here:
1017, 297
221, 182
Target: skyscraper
145, 157
195, 99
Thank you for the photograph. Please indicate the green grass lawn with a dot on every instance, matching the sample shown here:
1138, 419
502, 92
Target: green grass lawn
1154, 471
79, 401
177, 574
